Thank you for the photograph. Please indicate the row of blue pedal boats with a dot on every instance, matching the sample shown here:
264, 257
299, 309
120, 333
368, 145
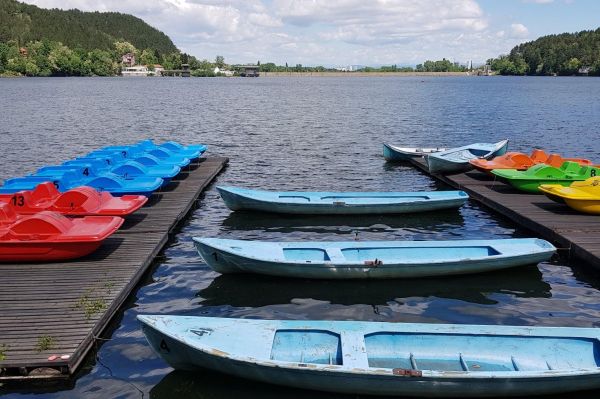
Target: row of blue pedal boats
138, 169
411, 359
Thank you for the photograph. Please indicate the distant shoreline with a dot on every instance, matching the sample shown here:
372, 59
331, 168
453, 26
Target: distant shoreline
362, 74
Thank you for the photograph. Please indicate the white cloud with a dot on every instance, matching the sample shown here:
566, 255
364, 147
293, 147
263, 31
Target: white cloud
326, 32
519, 31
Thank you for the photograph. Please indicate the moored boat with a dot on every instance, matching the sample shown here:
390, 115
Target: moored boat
583, 196
49, 236
456, 160
396, 153
521, 161
529, 180
67, 178
375, 358
80, 201
370, 259
339, 203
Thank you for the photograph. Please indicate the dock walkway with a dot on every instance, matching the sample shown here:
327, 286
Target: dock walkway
64, 306
578, 232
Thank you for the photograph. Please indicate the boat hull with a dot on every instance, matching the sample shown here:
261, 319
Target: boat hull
352, 378
364, 260
45, 252
397, 154
313, 203
457, 160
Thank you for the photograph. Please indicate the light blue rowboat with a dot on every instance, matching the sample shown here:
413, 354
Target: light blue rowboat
339, 203
456, 160
370, 259
412, 360
394, 153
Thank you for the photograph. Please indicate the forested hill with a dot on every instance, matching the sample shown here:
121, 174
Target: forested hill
563, 54
78, 29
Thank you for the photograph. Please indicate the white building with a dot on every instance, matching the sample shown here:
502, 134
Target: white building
138, 70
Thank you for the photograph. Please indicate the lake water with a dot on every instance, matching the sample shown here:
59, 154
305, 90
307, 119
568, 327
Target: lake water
307, 133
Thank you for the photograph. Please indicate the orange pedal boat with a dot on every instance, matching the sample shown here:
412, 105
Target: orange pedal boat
80, 201
50, 236
521, 161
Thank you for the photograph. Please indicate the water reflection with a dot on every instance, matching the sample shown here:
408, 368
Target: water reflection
440, 221
249, 290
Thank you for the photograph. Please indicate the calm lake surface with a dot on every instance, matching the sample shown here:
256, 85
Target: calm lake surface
307, 134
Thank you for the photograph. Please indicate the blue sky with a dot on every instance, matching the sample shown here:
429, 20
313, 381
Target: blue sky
346, 32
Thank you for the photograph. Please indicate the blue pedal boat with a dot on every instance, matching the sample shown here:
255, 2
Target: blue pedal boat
193, 152
376, 358
370, 259
128, 169
66, 178
339, 203
164, 155
456, 160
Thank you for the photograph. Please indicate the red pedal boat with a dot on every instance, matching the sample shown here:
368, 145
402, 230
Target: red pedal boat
50, 236
80, 201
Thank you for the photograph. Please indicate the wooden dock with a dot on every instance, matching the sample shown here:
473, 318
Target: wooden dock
566, 228
61, 308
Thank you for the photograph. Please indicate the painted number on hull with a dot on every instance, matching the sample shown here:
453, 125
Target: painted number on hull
18, 200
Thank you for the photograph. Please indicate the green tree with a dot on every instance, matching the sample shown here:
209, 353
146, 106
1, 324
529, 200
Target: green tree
171, 61
220, 61
571, 66
147, 57
100, 63
124, 47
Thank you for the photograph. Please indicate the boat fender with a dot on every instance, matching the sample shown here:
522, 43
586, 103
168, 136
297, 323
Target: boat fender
407, 372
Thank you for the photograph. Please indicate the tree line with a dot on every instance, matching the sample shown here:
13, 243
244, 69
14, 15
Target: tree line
50, 58
564, 54
442, 65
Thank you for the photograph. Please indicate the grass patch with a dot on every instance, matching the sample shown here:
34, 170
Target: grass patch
3, 349
45, 342
90, 305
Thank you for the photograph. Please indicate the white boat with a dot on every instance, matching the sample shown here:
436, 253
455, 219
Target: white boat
456, 160
395, 153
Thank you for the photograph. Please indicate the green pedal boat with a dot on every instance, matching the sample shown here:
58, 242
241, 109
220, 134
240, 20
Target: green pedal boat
531, 179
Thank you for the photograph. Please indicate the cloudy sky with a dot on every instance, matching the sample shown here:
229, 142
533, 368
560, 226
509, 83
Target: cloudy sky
345, 32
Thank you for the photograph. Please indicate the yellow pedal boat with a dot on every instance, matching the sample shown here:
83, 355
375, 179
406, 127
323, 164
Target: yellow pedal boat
583, 196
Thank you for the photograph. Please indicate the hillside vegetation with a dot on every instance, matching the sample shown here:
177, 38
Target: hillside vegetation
76, 29
562, 54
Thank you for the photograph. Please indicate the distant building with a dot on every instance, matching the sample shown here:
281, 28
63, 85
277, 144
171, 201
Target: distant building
584, 70
250, 71
137, 70
223, 71
128, 59
158, 69
486, 70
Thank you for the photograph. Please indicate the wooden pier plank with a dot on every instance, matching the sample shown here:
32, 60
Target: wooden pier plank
40, 300
577, 232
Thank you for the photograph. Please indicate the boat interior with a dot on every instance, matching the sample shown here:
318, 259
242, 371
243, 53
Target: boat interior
442, 351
